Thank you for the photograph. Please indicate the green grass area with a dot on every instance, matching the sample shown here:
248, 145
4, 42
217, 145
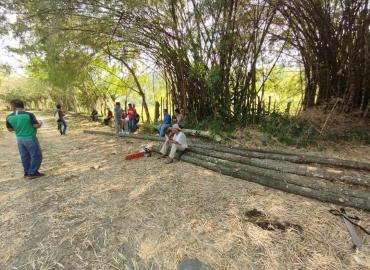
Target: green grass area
294, 131
288, 130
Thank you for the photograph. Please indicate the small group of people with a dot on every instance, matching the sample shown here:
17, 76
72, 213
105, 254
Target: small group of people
121, 118
24, 124
167, 121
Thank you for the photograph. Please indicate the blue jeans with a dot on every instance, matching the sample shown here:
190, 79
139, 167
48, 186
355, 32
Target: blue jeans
62, 126
30, 152
162, 129
132, 125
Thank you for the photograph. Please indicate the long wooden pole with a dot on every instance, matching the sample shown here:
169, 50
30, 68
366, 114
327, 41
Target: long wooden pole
262, 153
305, 186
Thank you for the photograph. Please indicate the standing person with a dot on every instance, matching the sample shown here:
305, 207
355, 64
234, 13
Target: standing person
178, 142
25, 126
118, 118
62, 125
165, 123
131, 118
109, 117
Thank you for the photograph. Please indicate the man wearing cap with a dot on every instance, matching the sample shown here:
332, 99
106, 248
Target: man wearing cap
25, 126
178, 142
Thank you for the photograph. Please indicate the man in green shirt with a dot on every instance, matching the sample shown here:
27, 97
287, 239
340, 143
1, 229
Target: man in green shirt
25, 126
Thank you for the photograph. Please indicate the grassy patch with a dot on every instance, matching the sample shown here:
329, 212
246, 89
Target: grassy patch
218, 127
359, 136
302, 133
289, 130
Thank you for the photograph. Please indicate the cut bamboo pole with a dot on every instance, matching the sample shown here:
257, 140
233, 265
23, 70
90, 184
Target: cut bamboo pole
288, 167
269, 154
300, 185
286, 156
304, 181
322, 195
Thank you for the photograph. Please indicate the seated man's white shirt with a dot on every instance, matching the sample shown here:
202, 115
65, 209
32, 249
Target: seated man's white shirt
181, 139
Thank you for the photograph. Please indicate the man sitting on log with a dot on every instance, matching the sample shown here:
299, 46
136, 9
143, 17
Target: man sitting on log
94, 115
165, 124
109, 117
178, 142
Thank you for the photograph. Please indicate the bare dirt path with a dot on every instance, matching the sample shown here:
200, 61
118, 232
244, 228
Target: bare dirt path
96, 211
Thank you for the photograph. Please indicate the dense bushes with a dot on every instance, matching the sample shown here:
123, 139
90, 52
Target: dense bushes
289, 129
292, 130
217, 126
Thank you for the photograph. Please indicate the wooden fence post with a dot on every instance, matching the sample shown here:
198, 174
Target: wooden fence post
269, 105
156, 111
161, 110
287, 110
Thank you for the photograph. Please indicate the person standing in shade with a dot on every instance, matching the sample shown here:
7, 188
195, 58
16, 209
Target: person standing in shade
165, 124
178, 143
62, 125
118, 118
25, 126
131, 118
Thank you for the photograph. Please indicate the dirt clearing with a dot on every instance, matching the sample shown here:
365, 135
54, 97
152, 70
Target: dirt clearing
96, 211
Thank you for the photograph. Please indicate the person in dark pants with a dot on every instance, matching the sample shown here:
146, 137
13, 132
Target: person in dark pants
165, 124
131, 118
118, 118
62, 125
25, 126
94, 115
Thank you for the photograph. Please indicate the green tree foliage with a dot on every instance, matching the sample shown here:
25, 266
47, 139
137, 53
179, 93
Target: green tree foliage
31, 91
218, 58
333, 39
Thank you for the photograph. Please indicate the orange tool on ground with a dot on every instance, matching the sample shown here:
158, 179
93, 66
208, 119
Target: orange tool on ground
145, 153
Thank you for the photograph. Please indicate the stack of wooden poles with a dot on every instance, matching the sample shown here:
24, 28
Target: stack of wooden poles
343, 182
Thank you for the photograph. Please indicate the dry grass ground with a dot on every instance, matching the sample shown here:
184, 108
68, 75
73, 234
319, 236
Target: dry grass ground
96, 211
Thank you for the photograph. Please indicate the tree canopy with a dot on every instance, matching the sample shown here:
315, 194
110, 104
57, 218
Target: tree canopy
217, 57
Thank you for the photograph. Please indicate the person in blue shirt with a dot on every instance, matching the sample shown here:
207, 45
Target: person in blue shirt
165, 124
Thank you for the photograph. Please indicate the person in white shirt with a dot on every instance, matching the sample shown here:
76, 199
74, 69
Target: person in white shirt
178, 143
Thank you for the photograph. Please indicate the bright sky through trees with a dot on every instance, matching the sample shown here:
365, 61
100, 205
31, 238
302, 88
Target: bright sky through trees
15, 61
